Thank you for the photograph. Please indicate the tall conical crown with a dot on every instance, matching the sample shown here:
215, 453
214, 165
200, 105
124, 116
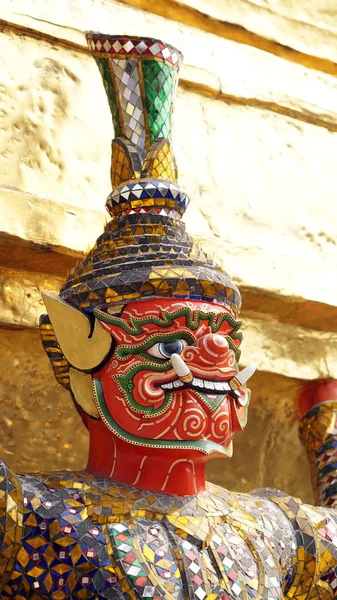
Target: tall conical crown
144, 251
140, 77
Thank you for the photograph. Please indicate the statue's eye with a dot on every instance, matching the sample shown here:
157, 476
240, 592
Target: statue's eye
166, 349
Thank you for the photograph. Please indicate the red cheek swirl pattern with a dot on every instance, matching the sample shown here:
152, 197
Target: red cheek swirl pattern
147, 390
194, 423
221, 430
146, 385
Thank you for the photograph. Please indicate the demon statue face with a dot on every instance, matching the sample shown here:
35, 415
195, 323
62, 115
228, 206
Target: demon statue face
145, 333
143, 391
161, 377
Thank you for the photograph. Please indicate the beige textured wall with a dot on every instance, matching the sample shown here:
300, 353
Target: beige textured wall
255, 136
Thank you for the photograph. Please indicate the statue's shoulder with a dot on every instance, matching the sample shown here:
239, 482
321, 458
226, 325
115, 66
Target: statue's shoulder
51, 494
245, 502
259, 513
8, 480
11, 501
220, 495
11, 518
41, 488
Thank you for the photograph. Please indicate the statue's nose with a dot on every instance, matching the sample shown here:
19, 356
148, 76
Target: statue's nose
213, 347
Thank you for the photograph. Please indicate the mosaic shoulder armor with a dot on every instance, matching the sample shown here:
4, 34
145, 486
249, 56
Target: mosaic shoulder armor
11, 517
314, 570
86, 536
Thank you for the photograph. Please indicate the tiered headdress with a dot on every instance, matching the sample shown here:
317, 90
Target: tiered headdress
144, 251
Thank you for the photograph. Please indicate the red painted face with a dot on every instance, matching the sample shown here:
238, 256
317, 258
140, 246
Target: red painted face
139, 394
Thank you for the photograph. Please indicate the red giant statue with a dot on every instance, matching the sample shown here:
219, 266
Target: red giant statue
145, 337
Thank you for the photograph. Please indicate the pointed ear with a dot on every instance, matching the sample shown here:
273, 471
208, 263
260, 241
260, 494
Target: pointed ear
81, 386
83, 347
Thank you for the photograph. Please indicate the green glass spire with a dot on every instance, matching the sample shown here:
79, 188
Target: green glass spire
140, 77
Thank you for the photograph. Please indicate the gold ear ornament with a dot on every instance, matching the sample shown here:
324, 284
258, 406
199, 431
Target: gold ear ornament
83, 345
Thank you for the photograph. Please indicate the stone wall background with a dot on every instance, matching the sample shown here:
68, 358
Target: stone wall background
255, 137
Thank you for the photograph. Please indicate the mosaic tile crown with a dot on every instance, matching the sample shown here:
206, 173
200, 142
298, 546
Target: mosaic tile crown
144, 251
140, 77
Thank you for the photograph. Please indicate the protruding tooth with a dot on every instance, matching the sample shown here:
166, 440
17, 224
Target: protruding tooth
177, 383
199, 382
245, 374
242, 377
181, 368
